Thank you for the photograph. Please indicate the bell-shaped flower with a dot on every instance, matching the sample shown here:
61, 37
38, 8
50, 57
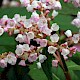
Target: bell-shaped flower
32, 57
76, 38
11, 58
42, 58
3, 63
20, 38
68, 33
54, 38
19, 50
55, 63
65, 52
55, 27
30, 35
38, 65
54, 13
22, 63
26, 47
52, 49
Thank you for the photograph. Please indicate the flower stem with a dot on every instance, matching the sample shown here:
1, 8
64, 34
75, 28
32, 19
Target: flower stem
64, 67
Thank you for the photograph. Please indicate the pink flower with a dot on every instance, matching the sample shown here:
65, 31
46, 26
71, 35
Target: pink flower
35, 17
26, 39
3, 64
22, 63
32, 57
43, 42
65, 57
11, 58
65, 0
77, 47
46, 30
73, 49
10, 23
54, 63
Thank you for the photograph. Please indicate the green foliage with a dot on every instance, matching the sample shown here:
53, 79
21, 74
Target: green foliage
7, 43
37, 74
47, 65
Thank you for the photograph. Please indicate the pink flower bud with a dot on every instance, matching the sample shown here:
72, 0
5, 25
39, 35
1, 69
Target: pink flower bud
54, 63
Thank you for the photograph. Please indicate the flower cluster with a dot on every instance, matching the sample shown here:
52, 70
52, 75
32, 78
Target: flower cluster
76, 3
35, 34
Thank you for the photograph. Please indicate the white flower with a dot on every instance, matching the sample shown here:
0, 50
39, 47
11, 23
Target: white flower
5, 17
23, 18
38, 65
76, 22
20, 38
11, 59
54, 38
17, 18
27, 23
54, 13
35, 4
1, 31
13, 3
19, 50
57, 5
29, 8
44, 5
30, 35
25, 2
52, 49
42, 22
55, 27
78, 15
68, 33
26, 47
16, 31
76, 38
65, 52
42, 58
34, 14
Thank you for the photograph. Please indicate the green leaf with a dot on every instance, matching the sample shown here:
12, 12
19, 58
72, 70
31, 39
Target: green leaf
22, 73
76, 58
68, 8
74, 70
77, 73
72, 66
7, 43
35, 73
11, 74
58, 73
18, 73
47, 65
